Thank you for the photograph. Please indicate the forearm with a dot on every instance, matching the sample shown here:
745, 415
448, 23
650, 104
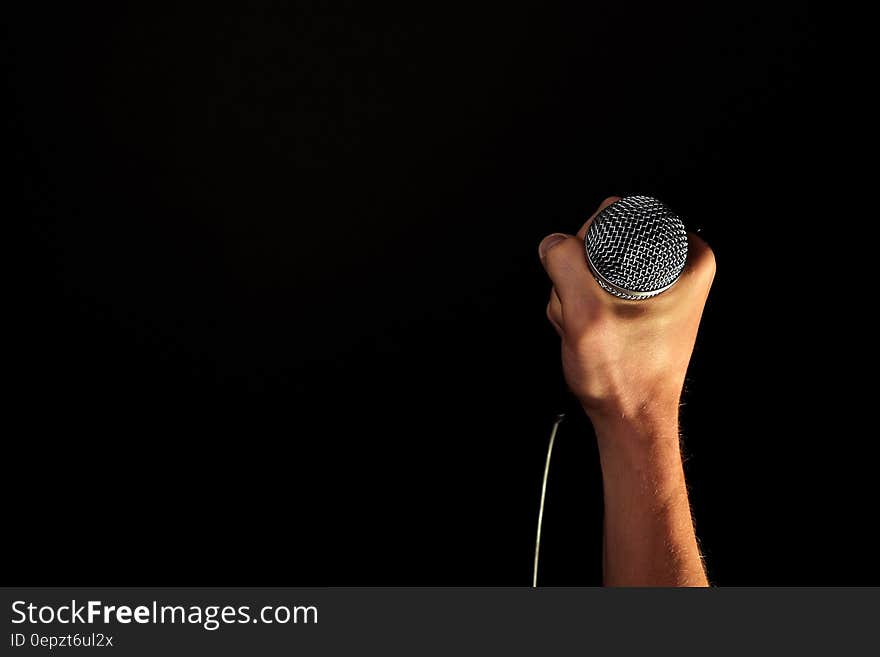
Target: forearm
649, 534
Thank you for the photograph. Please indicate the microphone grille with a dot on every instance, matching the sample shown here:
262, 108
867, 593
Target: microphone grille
636, 247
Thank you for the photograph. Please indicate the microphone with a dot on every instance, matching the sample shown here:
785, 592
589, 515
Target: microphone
636, 248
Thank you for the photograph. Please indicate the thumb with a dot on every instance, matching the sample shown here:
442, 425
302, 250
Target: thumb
564, 259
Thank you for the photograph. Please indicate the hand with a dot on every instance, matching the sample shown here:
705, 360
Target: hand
624, 360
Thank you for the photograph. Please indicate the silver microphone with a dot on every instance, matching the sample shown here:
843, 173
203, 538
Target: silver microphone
636, 247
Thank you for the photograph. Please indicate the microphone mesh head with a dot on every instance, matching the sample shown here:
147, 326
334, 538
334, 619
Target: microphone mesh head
636, 247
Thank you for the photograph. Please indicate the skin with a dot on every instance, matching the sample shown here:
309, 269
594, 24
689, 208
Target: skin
626, 362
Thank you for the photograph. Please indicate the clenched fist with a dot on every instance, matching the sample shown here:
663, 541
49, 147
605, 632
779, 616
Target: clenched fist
624, 360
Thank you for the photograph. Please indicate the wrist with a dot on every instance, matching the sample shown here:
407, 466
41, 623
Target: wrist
641, 452
648, 427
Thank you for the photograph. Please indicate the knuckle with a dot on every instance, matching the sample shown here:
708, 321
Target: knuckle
703, 257
580, 340
709, 263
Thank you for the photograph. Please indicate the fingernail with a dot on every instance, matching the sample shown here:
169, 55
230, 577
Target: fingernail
549, 242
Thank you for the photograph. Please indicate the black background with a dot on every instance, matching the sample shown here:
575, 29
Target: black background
280, 317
